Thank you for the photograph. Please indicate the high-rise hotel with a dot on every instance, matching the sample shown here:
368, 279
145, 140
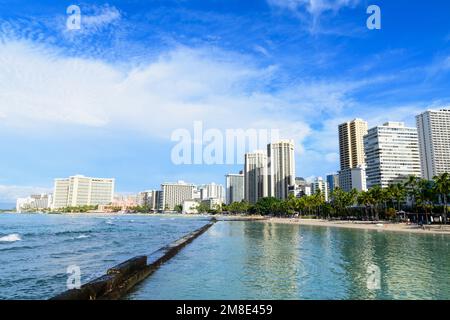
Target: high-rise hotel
434, 140
255, 176
280, 168
351, 149
80, 191
234, 184
174, 194
392, 154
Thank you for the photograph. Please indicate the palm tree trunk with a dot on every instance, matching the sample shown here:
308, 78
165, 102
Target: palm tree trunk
445, 209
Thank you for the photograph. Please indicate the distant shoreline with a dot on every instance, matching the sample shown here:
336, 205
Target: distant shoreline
360, 225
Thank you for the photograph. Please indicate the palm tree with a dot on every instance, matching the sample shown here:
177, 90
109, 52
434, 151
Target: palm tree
378, 195
365, 198
400, 195
425, 196
412, 187
442, 188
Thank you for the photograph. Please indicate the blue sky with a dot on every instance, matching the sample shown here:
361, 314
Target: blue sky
104, 100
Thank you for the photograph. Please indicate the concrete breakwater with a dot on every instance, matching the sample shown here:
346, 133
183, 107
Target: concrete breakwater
121, 278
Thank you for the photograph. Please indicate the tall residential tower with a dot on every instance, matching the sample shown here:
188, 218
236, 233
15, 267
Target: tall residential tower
255, 176
234, 187
281, 168
352, 157
392, 154
434, 139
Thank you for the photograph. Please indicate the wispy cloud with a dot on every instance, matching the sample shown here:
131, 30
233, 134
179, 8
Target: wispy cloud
9, 193
314, 7
41, 88
312, 11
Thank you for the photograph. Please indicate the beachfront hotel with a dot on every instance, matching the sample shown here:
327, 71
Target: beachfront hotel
174, 194
434, 139
280, 168
255, 176
234, 184
392, 154
351, 151
80, 191
34, 202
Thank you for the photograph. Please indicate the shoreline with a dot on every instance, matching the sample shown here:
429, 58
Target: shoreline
362, 225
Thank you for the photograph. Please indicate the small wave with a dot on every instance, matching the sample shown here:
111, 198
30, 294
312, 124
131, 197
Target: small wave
11, 238
109, 222
71, 232
83, 236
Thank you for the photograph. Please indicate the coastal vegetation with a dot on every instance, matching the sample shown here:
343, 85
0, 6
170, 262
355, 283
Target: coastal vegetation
78, 209
417, 196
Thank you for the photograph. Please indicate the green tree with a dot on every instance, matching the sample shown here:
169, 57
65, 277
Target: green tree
413, 189
378, 196
442, 188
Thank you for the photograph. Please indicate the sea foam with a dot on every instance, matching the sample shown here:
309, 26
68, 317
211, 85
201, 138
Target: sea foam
10, 238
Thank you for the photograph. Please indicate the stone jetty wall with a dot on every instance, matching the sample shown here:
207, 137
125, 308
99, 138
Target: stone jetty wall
121, 278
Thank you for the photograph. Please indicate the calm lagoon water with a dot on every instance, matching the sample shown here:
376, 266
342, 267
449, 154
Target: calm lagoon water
36, 249
253, 260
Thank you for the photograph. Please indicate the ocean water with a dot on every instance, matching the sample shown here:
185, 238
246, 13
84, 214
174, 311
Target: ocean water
232, 260
36, 249
254, 260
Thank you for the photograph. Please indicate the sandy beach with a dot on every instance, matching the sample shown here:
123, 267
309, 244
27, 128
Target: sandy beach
379, 226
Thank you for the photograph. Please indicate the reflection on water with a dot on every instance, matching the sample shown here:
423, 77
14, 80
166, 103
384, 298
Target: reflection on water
253, 260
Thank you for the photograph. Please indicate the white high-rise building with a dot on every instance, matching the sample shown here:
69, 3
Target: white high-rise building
320, 185
234, 184
392, 154
353, 178
255, 176
301, 188
34, 202
212, 191
80, 191
174, 194
434, 139
281, 168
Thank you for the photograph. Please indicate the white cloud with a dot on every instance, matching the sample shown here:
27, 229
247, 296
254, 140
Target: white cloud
314, 7
41, 88
10, 193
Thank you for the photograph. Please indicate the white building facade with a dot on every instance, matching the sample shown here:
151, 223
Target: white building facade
392, 154
434, 140
174, 194
281, 168
255, 176
80, 191
320, 185
34, 203
234, 184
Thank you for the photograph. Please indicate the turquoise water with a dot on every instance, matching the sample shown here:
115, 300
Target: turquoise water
35, 250
232, 260
251, 260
